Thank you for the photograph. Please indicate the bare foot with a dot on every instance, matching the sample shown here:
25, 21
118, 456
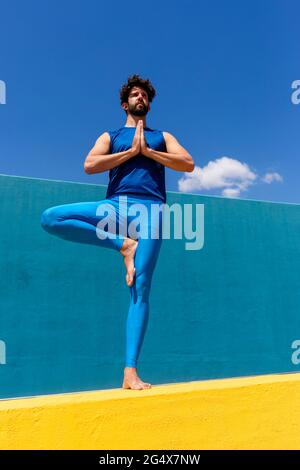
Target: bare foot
128, 251
132, 380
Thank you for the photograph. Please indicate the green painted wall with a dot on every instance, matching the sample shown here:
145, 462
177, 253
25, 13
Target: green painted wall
229, 309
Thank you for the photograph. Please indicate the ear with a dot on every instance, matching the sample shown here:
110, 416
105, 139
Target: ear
125, 106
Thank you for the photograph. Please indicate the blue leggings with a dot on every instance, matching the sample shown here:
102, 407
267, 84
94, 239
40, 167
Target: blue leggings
79, 222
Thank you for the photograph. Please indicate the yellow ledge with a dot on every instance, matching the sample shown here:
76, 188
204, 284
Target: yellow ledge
261, 412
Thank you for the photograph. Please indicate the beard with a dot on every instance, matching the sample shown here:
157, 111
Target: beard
137, 110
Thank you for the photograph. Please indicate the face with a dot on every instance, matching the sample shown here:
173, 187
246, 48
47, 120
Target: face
138, 104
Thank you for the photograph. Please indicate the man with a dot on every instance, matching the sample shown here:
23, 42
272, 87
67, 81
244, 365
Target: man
135, 156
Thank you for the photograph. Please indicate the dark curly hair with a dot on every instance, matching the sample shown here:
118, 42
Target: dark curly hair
136, 80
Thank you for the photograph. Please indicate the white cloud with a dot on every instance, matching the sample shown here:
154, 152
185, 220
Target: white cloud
231, 192
227, 174
270, 177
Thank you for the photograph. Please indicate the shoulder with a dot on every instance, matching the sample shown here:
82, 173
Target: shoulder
168, 136
113, 132
104, 137
165, 133
110, 134
107, 137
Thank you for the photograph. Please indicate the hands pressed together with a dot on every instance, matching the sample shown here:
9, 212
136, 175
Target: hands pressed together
139, 144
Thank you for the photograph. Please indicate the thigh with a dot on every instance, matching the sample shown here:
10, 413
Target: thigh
91, 211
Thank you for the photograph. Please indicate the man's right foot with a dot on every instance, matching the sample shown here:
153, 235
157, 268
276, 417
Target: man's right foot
128, 252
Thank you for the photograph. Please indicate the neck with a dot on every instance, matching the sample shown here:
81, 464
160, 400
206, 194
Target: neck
132, 121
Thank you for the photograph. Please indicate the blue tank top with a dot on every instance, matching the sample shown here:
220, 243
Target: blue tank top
140, 175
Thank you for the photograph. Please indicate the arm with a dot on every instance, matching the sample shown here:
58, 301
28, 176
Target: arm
99, 160
176, 157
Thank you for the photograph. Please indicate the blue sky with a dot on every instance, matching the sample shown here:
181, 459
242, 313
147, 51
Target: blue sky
222, 70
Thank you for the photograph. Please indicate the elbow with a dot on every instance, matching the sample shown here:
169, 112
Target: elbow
87, 168
190, 166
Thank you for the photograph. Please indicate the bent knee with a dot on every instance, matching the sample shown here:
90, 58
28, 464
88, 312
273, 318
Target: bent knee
49, 218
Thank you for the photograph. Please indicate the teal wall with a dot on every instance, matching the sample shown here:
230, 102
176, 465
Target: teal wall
229, 309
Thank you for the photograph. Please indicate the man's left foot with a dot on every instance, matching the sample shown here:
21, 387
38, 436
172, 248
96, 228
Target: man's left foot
132, 380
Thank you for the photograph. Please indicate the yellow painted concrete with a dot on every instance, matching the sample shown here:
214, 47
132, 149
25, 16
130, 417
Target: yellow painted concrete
260, 412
